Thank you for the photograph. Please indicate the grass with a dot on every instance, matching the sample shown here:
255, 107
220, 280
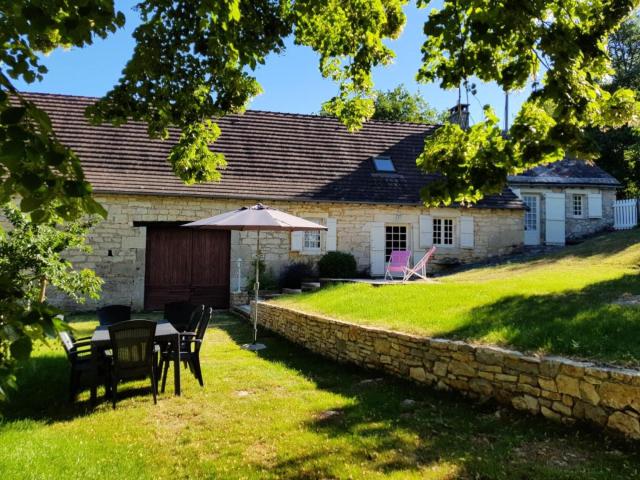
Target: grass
561, 303
269, 416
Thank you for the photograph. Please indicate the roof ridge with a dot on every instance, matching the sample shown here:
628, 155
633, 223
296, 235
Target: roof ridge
253, 110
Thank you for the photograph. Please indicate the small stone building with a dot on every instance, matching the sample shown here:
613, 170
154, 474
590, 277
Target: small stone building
363, 186
566, 200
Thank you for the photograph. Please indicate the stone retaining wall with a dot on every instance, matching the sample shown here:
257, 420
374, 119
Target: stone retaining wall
558, 388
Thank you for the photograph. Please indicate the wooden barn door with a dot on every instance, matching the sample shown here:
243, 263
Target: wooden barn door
184, 264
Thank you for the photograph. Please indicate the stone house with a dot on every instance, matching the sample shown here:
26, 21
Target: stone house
566, 200
364, 187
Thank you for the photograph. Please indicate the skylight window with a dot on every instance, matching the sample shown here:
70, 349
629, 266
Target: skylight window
383, 164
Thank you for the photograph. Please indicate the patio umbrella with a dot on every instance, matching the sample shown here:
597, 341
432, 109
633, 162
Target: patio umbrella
259, 218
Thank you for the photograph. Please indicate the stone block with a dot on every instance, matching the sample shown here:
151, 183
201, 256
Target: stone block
589, 393
418, 374
526, 402
381, 345
461, 368
548, 384
619, 396
561, 408
568, 385
501, 377
550, 414
624, 423
440, 369
480, 386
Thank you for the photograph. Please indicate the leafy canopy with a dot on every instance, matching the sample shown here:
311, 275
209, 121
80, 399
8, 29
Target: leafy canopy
400, 105
619, 148
195, 60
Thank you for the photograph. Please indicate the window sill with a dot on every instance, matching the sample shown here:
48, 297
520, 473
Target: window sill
310, 252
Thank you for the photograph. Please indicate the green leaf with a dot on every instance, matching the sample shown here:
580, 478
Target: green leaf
12, 115
21, 348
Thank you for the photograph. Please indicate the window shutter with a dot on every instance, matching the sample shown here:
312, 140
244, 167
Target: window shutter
426, 231
555, 218
594, 205
377, 248
332, 237
297, 240
466, 232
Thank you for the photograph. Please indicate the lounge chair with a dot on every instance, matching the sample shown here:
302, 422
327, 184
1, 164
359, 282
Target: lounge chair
420, 268
398, 263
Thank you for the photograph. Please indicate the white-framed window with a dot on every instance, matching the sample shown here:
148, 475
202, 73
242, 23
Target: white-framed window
443, 231
311, 241
578, 205
395, 239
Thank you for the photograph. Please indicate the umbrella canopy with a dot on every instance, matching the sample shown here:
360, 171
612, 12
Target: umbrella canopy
257, 217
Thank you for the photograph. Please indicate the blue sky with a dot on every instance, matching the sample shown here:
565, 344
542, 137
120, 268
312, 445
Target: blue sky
291, 81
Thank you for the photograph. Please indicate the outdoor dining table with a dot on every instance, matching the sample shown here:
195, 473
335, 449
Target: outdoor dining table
165, 332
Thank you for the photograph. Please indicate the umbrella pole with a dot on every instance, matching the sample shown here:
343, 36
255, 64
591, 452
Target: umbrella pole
256, 288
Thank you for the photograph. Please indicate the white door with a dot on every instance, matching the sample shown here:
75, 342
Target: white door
554, 207
532, 220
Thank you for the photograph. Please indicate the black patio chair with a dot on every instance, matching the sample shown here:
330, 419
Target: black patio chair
178, 314
87, 367
112, 314
133, 357
189, 353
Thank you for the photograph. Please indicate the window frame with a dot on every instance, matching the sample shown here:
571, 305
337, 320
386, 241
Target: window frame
399, 226
583, 210
439, 231
308, 233
383, 159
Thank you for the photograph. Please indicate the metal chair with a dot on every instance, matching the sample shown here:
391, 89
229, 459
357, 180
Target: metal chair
132, 344
189, 351
112, 314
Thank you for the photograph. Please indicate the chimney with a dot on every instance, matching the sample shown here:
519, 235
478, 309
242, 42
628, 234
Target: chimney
460, 115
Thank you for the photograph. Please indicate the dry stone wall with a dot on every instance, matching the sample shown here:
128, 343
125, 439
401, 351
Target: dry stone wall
558, 388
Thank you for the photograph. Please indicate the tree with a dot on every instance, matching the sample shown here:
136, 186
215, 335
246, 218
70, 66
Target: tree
400, 105
619, 148
31, 258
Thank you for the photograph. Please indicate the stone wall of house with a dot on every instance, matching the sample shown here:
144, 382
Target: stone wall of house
119, 247
582, 227
557, 388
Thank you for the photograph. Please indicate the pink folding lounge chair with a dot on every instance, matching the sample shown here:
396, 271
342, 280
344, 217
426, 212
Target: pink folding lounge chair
420, 268
398, 263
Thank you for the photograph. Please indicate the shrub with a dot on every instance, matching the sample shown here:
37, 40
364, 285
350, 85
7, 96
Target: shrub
295, 273
337, 265
268, 280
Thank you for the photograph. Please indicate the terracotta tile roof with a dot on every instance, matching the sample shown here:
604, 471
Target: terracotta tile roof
567, 172
271, 156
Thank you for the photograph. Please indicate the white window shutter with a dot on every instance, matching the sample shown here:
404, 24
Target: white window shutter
377, 248
555, 218
426, 231
594, 205
297, 240
466, 232
332, 236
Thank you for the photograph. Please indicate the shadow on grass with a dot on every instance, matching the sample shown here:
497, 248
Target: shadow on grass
398, 427
568, 323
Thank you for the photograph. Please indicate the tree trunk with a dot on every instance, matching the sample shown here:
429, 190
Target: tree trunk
43, 290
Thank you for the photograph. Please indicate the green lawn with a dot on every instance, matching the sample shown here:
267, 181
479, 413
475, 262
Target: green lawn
561, 303
267, 416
